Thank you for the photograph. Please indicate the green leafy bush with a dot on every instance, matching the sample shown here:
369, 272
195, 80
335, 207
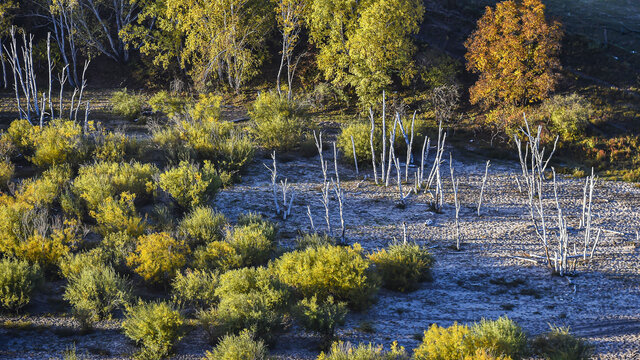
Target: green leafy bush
560, 344
195, 288
18, 279
250, 298
502, 336
154, 326
252, 243
158, 257
403, 266
189, 185
127, 104
162, 101
278, 122
202, 225
320, 316
119, 216
73, 264
217, 255
341, 272
20, 133
568, 115
268, 228
314, 240
103, 180
234, 152
6, 173
346, 351
361, 133
58, 142
111, 146
95, 292
443, 343
116, 247
238, 347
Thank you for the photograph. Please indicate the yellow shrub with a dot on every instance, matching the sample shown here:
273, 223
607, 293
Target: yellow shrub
97, 182
158, 256
483, 354
403, 266
119, 216
330, 270
45, 190
217, 255
207, 108
21, 132
443, 343
6, 173
59, 142
48, 250
189, 185
110, 146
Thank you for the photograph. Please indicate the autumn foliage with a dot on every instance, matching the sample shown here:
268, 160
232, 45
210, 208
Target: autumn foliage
515, 51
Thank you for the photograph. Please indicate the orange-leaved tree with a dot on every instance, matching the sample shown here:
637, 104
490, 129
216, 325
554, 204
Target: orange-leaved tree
515, 52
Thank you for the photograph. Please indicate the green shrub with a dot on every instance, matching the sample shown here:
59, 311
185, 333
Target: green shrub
119, 216
346, 351
6, 173
252, 243
95, 292
58, 142
403, 265
20, 132
250, 298
440, 70
189, 185
268, 228
321, 317
202, 225
560, 344
443, 343
238, 347
73, 264
127, 104
18, 279
341, 272
206, 108
103, 180
361, 133
158, 257
111, 146
568, 115
314, 240
502, 337
278, 122
234, 152
162, 101
44, 191
116, 247
154, 326
217, 255
195, 288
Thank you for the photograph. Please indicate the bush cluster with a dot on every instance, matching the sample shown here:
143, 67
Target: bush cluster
341, 272
202, 225
250, 298
127, 104
238, 347
560, 344
119, 216
278, 122
217, 255
155, 326
252, 242
403, 265
195, 288
347, 351
158, 256
567, 115
189, 185
18, 280
94, 292
320, 316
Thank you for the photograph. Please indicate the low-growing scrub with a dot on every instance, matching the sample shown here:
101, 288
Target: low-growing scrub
6, 173
158, 256
217, 255
361, 133
314, 240
18, 280
195, 288
252, 242
346, 351
502, 337
341, 272
103, 180
567, 115
202, 225
403, 265
94, 292
560, 344
127, 104
443, 343
250, 298
157, 327
58, 142
119, 216
278, 121
320, 316
238, 347
189, 185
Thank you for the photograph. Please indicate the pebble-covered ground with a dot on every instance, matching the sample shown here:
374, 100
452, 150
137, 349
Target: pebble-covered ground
483, 279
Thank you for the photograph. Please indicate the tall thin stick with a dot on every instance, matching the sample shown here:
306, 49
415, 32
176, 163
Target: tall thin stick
373, 150
484, 182
454, 184
355, 157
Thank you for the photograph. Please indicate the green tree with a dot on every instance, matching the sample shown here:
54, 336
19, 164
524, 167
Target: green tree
363, 44
515, 51
214, 39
